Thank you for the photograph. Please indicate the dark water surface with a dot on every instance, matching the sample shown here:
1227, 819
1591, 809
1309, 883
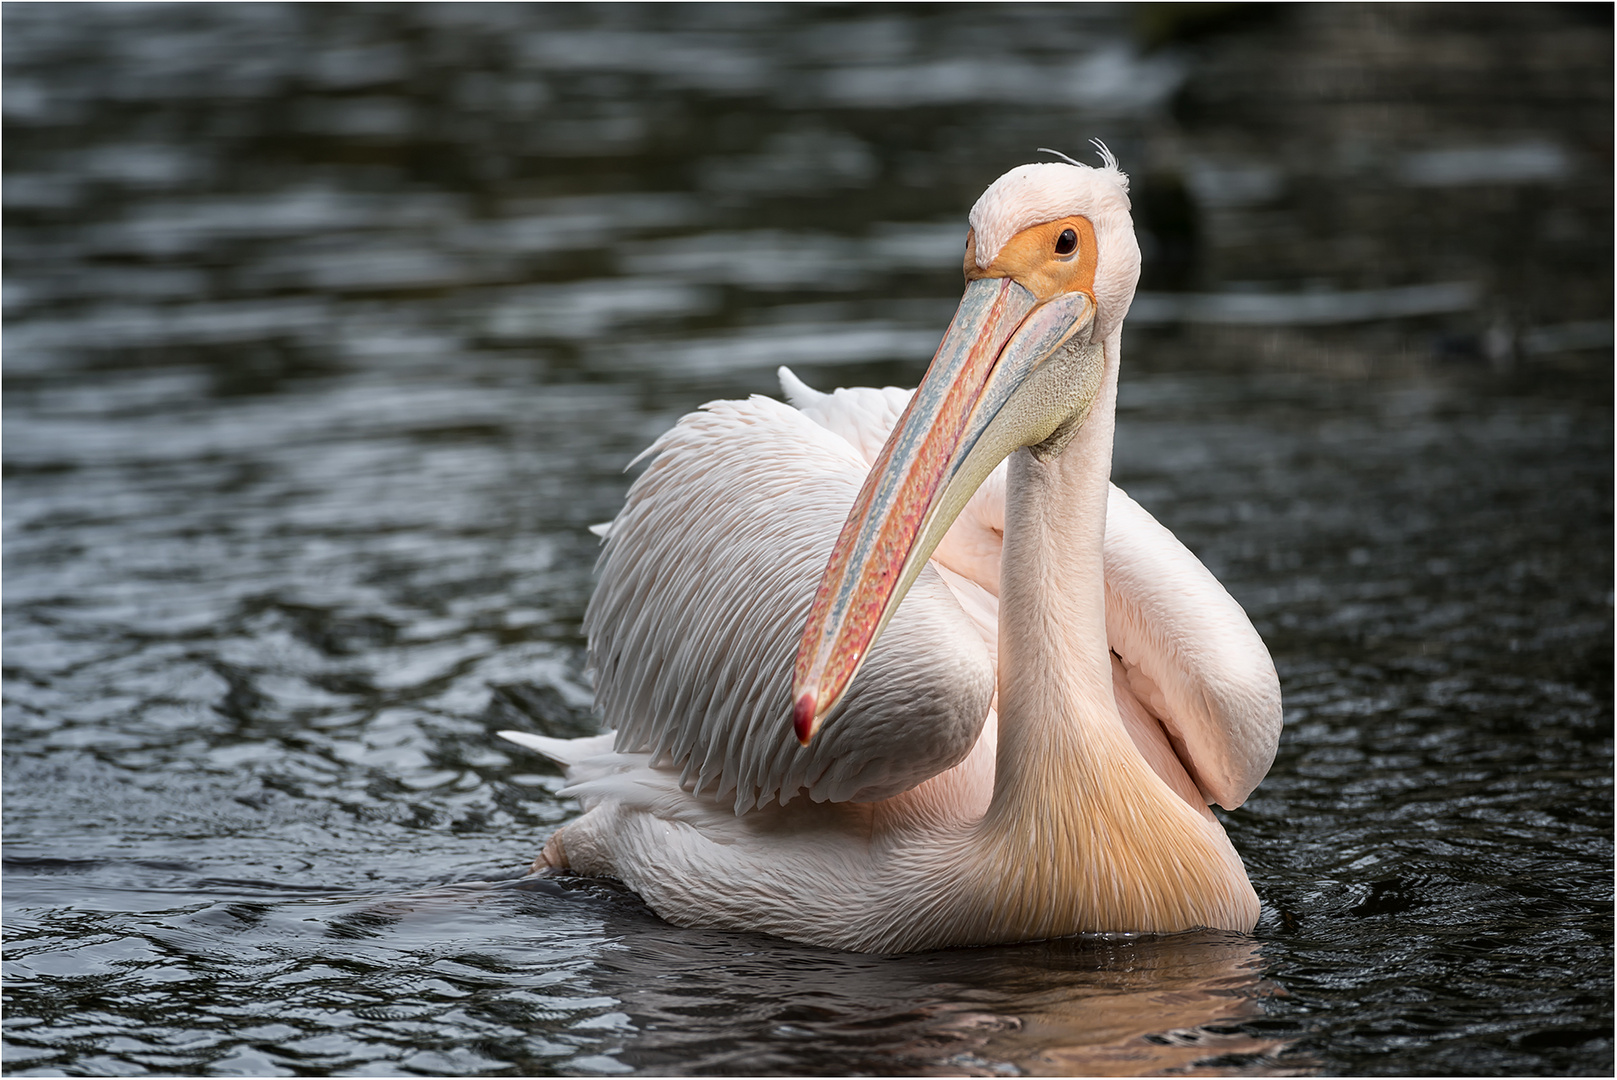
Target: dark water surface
329, 330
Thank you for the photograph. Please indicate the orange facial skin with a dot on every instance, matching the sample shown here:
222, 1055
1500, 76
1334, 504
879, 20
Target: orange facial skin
1029, 259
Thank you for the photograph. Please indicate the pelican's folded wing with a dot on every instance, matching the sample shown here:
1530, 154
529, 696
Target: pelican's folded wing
1191, 655
705, 585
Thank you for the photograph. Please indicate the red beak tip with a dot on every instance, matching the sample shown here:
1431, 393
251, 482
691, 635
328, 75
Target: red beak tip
803, 718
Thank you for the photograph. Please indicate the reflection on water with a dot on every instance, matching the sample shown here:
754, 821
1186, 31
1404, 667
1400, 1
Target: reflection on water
539, 976
1110, 1007
329, 330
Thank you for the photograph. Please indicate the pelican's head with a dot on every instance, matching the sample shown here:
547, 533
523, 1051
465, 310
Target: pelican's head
1051, 264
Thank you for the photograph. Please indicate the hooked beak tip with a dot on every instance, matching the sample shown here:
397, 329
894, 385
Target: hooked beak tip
803, 718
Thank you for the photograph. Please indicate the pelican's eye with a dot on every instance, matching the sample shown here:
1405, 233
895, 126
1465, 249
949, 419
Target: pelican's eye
1067, 242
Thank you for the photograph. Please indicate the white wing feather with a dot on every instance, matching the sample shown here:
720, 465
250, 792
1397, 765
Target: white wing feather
1191, 655
705, 583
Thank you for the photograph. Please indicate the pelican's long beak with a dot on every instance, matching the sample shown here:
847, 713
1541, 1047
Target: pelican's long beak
956, 429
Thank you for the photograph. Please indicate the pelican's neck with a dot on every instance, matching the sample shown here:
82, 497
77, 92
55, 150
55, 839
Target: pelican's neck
1055, 694
1080, 833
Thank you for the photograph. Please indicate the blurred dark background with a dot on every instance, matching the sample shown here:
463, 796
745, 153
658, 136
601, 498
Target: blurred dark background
328, 330
319, 159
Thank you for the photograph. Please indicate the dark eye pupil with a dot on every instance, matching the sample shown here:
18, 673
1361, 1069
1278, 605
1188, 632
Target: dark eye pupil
1067, 242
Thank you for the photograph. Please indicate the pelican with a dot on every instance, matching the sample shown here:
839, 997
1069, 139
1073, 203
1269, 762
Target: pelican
1027, 745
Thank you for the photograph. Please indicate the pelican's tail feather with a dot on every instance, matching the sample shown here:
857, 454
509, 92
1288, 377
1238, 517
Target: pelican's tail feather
564, 752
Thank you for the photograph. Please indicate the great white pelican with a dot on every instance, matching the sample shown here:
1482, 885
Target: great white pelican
943, 686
